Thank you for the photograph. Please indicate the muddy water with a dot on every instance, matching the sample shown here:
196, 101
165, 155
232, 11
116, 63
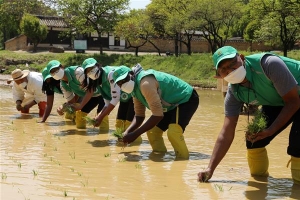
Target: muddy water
55, 161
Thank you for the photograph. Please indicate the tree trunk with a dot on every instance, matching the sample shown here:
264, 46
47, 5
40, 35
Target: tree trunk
158, 50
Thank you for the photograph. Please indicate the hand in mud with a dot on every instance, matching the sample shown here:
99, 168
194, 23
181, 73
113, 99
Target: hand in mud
204, 175
19, 107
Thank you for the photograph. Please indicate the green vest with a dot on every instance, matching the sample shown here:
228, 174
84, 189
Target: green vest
73, 84
262, 91
56, 90
105, 86
172, 90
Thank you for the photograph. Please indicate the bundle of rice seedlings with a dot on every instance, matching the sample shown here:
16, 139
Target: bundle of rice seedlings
90, 121
257, 124
118, 133
67, 108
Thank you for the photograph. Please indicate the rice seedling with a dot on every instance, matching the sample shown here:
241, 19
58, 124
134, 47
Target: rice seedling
67, 108
3, 176
65, 193
138, 166
219, 187
45, 154
72, 154
72, 169
55, 149
257, 124
90, 121
35, 173
19, 165
122, 159
79, 174
118, 133
44, 144
107, 155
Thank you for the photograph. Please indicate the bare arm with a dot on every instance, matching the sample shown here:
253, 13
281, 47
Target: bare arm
50, 100
221, 147
292, 104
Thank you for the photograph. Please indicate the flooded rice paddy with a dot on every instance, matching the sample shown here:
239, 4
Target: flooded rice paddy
54, 160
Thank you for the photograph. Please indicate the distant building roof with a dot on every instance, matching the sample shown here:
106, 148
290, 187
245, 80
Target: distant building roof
57, 22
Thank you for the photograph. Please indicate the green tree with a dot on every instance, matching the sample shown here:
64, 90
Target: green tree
12, 11
216, 19
173, 19
31, 27
281, 17
87, 16
137, 30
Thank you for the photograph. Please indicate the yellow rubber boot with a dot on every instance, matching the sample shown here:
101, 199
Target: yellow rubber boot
80, 121
104, 126
175, 135
127, 124
70, 116
295, 169
156, 140
120, 124
258, 161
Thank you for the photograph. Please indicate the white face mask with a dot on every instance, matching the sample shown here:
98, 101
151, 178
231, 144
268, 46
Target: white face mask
128, 86
59, 75
94, 74
236, 76
23, 85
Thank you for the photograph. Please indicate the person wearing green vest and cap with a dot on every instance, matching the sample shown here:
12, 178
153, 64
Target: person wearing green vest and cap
70, 83
260, 79
101, 77
172, 102
51, 86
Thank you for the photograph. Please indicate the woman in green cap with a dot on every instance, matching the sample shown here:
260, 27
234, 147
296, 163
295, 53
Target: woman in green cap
172, 102
101, 77
70, 83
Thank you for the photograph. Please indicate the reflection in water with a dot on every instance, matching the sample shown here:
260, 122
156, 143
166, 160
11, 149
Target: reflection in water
54, 160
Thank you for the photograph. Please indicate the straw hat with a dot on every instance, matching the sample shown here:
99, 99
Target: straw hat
18, 74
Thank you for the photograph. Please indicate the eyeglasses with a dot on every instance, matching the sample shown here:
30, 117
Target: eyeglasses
224, 69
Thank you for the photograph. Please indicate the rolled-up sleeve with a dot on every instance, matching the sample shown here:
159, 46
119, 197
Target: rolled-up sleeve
18, 93
115, 90
68, 95
35, 84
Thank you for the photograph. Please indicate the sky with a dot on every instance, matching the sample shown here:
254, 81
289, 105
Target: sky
137, 4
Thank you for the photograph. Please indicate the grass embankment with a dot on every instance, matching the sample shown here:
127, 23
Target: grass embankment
196, 69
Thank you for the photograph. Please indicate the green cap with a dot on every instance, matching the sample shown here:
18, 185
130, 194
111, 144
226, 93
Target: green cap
223, 53
52, 64
46, 74
120, 73
89, 62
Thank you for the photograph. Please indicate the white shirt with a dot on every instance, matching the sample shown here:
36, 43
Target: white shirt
115, 90
79, 75
33, 89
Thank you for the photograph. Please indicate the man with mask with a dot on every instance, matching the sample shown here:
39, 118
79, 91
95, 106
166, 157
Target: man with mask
27, 90
98, 77
71, 79
172, 102
259, 79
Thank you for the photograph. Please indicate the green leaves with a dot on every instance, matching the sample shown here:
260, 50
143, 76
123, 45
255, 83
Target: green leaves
257, 124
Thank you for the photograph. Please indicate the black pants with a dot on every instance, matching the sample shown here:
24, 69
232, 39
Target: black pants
186, 111
126, 110
92, 103
271, 113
